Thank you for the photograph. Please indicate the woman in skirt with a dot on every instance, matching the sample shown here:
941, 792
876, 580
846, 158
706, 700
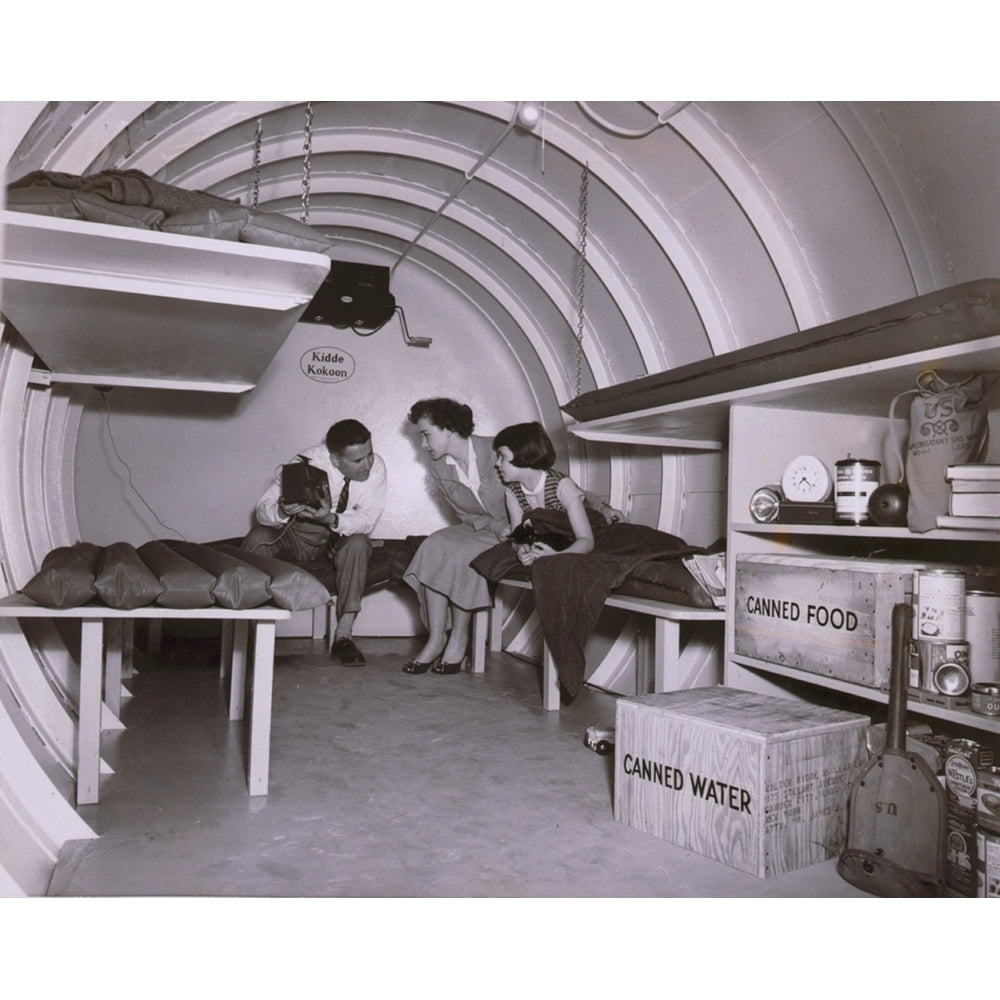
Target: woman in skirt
449, 590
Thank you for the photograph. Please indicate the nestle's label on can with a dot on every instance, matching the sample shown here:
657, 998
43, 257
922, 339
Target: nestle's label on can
960, 780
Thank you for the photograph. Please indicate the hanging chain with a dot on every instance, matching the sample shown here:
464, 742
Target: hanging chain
256, 161
306, 164
581, 275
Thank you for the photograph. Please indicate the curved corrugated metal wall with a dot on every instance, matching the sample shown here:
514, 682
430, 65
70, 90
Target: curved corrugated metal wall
724, 224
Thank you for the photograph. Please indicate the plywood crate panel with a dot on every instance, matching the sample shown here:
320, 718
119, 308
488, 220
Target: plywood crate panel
757, 782
825, 616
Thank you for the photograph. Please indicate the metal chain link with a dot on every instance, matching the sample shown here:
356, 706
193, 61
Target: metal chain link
581, 275
256, 161
306, 163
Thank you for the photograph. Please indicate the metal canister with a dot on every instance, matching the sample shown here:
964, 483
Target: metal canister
988, 802
943, 667
857, 480
984, 699
962, 762
765, 504
982, 630
987, 863
939, 604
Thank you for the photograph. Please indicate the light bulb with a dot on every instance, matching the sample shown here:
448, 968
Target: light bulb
529, 115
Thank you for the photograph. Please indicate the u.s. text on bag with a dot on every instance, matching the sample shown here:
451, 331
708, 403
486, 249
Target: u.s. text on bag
949, 425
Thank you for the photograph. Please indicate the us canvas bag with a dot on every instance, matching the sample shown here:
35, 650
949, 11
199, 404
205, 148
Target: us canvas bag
949, 424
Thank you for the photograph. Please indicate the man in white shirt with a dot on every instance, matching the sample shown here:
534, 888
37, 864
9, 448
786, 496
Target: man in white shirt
338, 525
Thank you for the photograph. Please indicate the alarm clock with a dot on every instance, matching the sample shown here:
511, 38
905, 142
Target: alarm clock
806, 480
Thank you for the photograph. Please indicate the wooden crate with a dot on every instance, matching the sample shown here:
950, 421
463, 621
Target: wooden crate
757, 782
825, 616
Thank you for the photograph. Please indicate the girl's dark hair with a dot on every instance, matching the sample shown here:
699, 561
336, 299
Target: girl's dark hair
530, 446
344, 433
448, 414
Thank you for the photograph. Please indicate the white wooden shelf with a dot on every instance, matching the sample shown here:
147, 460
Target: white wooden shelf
960, 715
872, 531
112, 305
862, 389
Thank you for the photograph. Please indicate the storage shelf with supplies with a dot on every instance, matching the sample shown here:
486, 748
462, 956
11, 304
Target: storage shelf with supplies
828, 401
961, 714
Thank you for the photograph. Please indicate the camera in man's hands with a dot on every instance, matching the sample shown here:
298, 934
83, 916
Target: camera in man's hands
302, 483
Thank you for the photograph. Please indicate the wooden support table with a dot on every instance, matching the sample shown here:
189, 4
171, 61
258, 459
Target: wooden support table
666, 650
105, 644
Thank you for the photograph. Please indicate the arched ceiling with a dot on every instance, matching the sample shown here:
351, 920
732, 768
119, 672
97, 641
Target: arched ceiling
709, 225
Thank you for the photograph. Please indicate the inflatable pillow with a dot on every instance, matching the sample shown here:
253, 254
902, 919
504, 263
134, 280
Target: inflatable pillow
290, 586
238, 585
185, 584
66, 577
124, 581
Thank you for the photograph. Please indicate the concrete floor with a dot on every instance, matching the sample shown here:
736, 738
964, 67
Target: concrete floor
382, 785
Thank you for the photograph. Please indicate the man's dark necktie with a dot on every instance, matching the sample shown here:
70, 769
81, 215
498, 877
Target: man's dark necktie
342, 500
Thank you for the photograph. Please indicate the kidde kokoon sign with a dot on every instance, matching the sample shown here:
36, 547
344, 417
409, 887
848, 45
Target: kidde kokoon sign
327, 364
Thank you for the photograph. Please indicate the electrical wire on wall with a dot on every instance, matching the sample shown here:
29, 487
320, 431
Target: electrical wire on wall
103, 391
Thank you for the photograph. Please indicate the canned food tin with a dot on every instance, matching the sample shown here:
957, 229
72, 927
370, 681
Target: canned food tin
963, 759
985, 699
938, 604
982, 630
987, 863
988, 806
951, 659
857, 479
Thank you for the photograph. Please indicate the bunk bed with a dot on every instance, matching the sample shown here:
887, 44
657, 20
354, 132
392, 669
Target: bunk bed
118, 279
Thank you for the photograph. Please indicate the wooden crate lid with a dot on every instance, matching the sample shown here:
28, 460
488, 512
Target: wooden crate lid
854, 564
757, 716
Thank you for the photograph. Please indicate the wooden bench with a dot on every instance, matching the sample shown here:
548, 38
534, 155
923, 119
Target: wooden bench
666, 642
105, 653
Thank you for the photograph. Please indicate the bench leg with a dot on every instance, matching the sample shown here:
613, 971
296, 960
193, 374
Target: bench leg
498, 614
88, 733
666, 655
238, 667
321, 621
113, 636
550, 682
479, 638
260, 708
226, 650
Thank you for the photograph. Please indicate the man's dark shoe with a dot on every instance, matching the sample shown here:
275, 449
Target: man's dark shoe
347, 653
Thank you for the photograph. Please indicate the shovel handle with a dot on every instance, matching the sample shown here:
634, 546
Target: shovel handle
899, 672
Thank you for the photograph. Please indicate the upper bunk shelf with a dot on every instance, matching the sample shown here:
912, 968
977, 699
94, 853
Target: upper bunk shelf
855, 365
112, 305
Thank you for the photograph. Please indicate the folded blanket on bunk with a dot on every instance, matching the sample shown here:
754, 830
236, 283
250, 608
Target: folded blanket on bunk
570, 589
126, 187
132, 198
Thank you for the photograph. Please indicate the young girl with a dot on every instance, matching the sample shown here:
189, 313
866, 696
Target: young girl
524, 460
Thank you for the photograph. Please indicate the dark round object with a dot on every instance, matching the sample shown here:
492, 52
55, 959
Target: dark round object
887, 504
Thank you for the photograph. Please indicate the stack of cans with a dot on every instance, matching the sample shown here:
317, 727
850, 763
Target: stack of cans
939, 650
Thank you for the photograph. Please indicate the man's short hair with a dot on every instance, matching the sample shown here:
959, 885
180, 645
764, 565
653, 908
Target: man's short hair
344, 433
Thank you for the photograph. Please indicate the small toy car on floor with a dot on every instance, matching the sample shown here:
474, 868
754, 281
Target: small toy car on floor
600, 740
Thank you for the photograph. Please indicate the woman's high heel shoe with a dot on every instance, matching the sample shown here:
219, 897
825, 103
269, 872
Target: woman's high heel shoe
441, 667
416, 667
